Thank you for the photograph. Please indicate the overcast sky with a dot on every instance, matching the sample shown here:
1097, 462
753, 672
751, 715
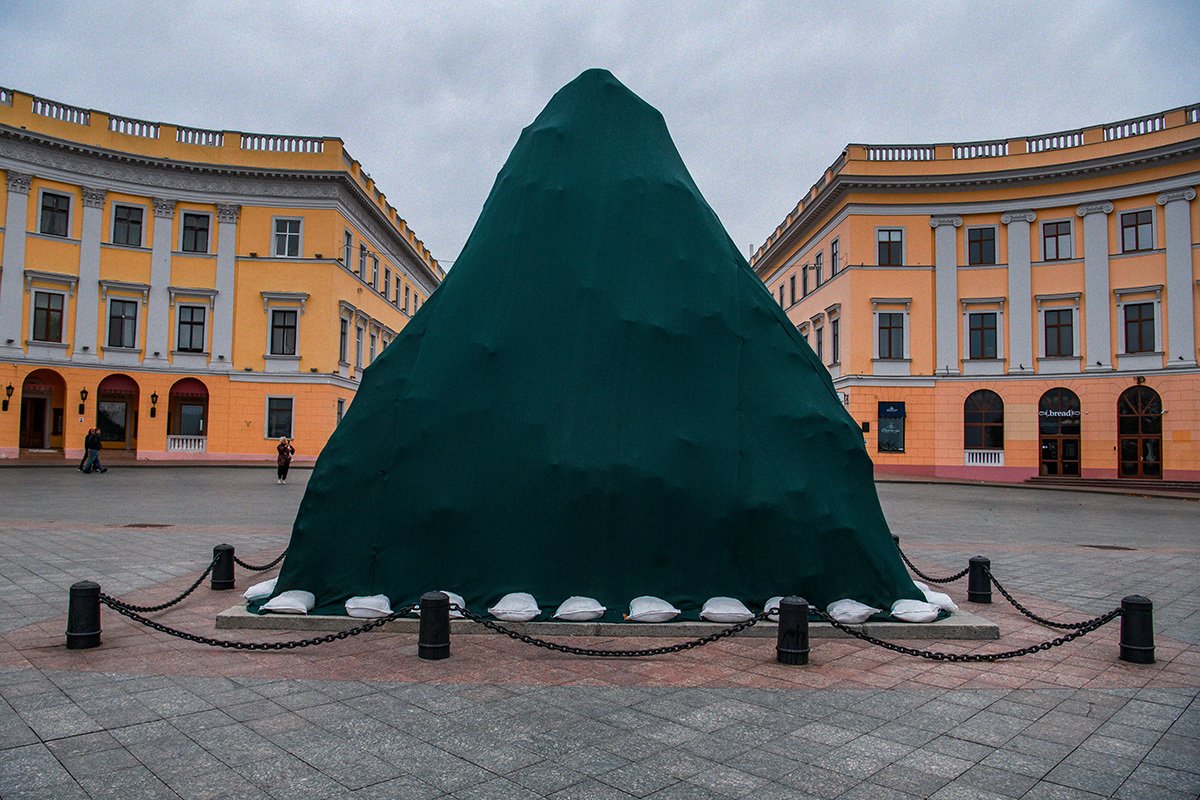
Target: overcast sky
759, 97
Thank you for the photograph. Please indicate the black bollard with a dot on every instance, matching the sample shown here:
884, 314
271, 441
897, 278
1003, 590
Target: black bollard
222, 574
791, 645
83, 616
979, 585
1137, 629
433, 637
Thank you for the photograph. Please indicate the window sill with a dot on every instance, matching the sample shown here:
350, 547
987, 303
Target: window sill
194, 254
278, 363
132, 248
983, 366
1136, 361
1058, 365
50, 237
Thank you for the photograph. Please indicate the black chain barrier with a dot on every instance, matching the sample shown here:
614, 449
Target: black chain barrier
123, 609
1064, 626
930, 578
163, 606
584, 651
974, 658
262, 568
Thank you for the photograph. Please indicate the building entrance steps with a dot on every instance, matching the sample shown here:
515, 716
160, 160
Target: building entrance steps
963, 625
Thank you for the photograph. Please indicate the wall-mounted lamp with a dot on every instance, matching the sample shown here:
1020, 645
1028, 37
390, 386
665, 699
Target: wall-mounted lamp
8, 390
83, 393
9, 341
85, 348
1140, 379
153, 404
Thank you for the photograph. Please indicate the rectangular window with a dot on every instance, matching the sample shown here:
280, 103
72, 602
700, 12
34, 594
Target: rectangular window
347, 248
1056, 241
835, 248
781, 295
127, 225
287, 238
1137, 231
835, 345
792, 287
358, 346
416, 302
190, 338
283, 333
341, 411
371, 352
122, 323
279, 417
47, 316
1060, 334
819, 266
981, 246
1139, 328
804, 281
374, 271
891, 335
56, 213
406, 291
387, 283
398, 284
821, 344
982, 330
362, 261
343, 335
891, 428
195, 233
891, 247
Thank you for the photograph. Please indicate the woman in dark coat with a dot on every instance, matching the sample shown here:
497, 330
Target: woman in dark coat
284, 459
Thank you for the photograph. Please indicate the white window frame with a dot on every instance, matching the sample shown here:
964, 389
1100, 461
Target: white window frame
387, 282
347, 247
341, 411
283, 301
275, 234
66, 310
208, 309
372, 347
835, 253
359, 330
819, 268
903, 246
112, 222
834, 316
267, 416
375, 271
407, 290
137, 318
1133, 296
42, 192
891, 305
1042, 223
193, 212
817, 321
1153, 230
803, 327
271, 332
1058, 302
995, 229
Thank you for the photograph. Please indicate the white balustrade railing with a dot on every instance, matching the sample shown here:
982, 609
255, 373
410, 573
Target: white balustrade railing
186, 444
200, 136
900, 152
61, 111
1053, 141
282, 144
133, 127
1134, 127
981, 149
983, 458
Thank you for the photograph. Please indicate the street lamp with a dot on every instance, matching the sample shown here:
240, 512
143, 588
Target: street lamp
8, 390
83, 393
153, 404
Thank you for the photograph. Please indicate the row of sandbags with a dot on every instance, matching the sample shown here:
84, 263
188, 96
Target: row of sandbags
523, 607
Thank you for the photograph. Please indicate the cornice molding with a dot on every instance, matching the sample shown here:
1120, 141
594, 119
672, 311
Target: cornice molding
1095, 208
1010, 217
1187, 194
19, 182
945, 219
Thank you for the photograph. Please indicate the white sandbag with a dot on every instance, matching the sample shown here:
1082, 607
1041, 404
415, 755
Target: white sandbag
924, 587
580, 609
850, 612
455, 600
725, 609
773, 605
296, 601
370, 606
651, 609
516, 607
914, 611
939, 599
260, 590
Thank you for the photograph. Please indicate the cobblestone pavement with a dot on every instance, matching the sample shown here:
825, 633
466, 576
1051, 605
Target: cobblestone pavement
147, 715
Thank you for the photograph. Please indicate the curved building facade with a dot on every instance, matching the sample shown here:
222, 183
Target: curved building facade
193, 293
1008, 309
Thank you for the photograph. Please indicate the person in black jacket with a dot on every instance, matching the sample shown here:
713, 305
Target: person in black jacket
92, 444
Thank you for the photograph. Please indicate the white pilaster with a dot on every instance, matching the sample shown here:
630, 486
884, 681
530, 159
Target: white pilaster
1098, 353
86, 301
1020, 292
158, 304
946, 291
1180, 346
222, 321
12, 290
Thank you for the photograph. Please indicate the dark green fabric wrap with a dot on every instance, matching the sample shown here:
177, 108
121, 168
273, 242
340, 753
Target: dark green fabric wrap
601, 399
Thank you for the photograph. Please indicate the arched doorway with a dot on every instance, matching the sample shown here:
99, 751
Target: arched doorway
1059, 427
43, 397
1139, 433
117, 412
187, 417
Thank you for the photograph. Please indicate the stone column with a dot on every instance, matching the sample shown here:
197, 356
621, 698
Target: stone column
159, 299
87, 298
12, 284
946, 292
1020, 292
222, 315
1098, 350
1180, 345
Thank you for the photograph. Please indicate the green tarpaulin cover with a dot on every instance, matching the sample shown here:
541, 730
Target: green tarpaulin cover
602, 400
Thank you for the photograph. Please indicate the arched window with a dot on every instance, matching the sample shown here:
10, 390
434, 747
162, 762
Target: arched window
1058, 413
983, 421
1139, 433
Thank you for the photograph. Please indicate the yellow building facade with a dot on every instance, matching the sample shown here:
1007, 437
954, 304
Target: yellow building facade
1008, 309
193, 293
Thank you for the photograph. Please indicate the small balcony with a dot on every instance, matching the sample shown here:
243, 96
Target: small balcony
187, 444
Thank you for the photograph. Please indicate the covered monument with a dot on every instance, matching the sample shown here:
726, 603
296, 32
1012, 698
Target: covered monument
601, 399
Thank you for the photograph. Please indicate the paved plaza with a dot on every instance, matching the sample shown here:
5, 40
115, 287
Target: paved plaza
151, 716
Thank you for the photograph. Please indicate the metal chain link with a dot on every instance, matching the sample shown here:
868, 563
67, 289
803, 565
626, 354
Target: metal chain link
973, 658
124, 610
583, 651
262, 568
930, 578
1065, 626
169, 603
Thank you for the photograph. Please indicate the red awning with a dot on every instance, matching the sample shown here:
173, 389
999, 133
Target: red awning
189, 387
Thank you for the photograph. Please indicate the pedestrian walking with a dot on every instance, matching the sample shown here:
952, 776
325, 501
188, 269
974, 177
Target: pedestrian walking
284, 459
91, 444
